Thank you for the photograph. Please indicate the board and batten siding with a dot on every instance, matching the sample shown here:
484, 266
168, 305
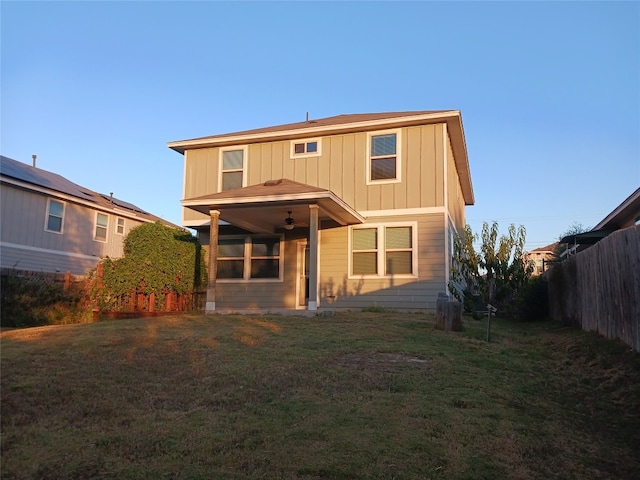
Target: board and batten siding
341, 168
27, 245
338, 290
455, 200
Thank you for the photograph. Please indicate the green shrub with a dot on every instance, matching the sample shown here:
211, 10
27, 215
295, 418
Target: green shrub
532, 302
34, 300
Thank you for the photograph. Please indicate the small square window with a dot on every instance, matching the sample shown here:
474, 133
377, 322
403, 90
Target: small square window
306, 148
120, 226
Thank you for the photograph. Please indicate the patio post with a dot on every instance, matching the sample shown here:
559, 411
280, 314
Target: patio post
213, 261
313, 257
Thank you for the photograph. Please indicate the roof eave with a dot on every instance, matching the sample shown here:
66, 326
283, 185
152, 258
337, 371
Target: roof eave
631, 200
235, 139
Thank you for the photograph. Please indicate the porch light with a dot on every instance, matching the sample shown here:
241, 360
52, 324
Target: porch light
288, 222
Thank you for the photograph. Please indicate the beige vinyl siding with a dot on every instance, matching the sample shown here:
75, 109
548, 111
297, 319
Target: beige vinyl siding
455, 200
200, 178
45, 260
27, 245
338, 290
340, 168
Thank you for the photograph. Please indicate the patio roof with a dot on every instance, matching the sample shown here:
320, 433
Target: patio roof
263, 207
586, 238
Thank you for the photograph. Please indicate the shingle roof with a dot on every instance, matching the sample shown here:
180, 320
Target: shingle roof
548, 248
349, 123
323, 122
38, 177
272, 188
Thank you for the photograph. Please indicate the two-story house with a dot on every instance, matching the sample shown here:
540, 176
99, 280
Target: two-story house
344, 212
50, 224
540, 258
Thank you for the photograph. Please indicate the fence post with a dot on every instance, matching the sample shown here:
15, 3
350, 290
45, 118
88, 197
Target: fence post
152, 302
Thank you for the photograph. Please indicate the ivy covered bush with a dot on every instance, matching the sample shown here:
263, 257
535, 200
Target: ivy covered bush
157, 259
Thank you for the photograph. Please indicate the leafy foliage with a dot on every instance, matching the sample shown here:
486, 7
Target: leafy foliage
157, 259
496, 272
34, 300
464, 270
532, 302
574, 229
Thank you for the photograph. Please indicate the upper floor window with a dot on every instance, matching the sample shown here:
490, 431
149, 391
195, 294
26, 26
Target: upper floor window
102, 222
383, 250
383, 164
249, 258
305, 148
232, 168
55, 216
120, 226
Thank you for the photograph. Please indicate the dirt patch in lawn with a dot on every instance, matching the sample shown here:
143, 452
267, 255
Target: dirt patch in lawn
379, 361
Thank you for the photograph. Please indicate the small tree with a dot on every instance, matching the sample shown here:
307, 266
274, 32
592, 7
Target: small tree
497, 270
574, 229
464, 269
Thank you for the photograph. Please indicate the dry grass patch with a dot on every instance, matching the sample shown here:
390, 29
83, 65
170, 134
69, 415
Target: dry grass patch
353, 396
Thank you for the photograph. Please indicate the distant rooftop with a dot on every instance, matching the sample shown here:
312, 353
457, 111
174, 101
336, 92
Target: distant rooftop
38, 177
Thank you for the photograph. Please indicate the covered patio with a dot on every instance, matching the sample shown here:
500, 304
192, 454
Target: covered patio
276, 206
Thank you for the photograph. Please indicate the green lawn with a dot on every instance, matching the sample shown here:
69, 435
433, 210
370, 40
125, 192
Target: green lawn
350, 396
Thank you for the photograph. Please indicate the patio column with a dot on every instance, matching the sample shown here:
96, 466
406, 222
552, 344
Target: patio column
313, 258
213, 261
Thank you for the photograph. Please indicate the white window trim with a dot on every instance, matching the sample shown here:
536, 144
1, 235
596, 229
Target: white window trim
398, 179
381, 227
317, 153
48, 214
124, 225
106, 228
245, 159
247, 261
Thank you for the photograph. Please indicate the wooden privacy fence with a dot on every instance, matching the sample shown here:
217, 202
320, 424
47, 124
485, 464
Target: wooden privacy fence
598, 289
66, 279
139, 304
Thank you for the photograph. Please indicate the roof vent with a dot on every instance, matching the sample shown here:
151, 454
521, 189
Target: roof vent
272, 183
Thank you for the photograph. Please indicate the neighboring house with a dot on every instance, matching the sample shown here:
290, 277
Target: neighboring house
50, 224
344, 212
540, 257
625, 215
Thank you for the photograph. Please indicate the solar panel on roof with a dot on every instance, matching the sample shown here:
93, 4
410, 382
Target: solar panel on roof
36, 176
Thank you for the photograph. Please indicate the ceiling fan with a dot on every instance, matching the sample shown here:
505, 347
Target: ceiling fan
290, 223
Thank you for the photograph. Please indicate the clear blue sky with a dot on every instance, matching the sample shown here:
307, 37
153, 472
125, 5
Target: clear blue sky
549, 91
